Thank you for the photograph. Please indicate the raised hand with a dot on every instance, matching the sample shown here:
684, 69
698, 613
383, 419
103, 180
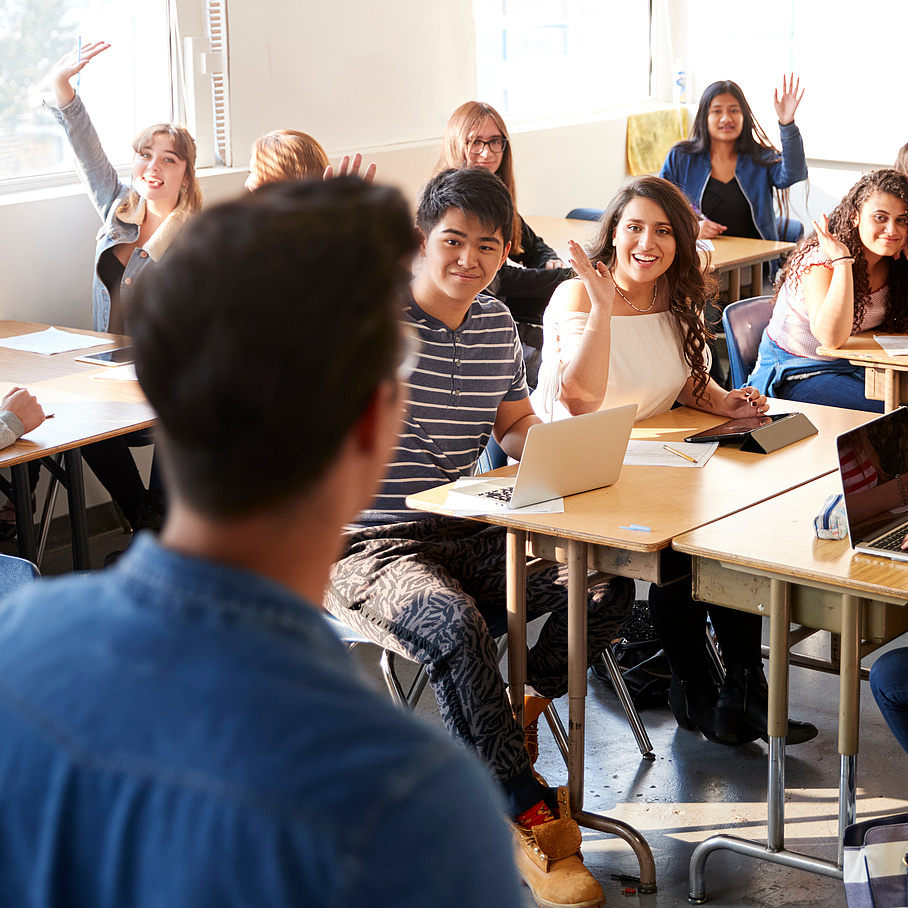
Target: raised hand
830, 246
70, 65
788, 102
348, 167
598, 282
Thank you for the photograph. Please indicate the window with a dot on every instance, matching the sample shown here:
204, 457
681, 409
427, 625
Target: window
850, 65
561, 57
135, 83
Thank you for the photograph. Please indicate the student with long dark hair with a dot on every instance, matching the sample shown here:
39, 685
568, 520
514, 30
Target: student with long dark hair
630, 330
849, 275
729, 168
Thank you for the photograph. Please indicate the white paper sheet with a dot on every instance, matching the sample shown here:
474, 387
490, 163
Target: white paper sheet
893, 344
52, 340
655, 454
471, 506
118, 373
706, 245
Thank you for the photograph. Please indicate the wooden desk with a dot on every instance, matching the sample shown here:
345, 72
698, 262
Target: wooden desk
85, 410
885, 377
768, 561
588, 535
730, 255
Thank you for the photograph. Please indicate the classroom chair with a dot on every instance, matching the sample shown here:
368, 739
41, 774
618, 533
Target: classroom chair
585, 214
15, 572
743, 323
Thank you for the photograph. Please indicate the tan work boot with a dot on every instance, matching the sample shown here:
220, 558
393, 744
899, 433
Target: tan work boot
533, 708
548, 859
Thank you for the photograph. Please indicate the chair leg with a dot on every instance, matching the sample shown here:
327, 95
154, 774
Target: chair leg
633, 717
714, 659
392, 682
47, 513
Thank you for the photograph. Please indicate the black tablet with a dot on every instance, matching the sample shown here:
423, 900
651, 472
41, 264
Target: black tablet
121, 356
737, 429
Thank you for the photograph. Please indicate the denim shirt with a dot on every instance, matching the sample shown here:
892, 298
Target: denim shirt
107, 193
177, 732
690, 173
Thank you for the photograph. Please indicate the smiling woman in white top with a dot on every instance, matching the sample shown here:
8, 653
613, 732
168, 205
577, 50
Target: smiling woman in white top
630, 330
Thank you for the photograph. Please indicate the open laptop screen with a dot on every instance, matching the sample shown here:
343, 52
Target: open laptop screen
873, 462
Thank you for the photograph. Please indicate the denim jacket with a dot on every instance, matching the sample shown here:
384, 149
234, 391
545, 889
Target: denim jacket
181, 733
691, 174
107, 193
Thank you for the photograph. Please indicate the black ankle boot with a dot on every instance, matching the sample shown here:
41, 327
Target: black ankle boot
742, 708
693, 704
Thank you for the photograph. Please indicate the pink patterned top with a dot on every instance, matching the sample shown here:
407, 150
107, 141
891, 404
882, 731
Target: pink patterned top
789, 327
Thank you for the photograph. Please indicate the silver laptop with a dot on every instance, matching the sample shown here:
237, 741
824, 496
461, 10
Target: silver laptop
873, 466
563, 458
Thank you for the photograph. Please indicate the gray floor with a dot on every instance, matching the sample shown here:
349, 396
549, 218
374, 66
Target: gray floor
695, 789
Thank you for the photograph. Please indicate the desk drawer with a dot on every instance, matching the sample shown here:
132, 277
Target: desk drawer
812, 607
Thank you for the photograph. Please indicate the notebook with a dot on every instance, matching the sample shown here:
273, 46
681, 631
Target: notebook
873, 465
563, 458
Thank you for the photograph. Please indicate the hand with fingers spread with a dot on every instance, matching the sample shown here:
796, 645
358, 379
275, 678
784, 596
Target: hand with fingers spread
788, 102
830, 246
71, 65
350, 167
598, 282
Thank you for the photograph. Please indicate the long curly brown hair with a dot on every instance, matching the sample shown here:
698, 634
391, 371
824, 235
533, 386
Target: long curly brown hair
843, 225
690, 285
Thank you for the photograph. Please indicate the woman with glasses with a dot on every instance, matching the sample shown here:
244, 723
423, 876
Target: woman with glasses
477, 137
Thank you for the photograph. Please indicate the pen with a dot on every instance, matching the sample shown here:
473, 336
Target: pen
638, 527
79, 74
681, 454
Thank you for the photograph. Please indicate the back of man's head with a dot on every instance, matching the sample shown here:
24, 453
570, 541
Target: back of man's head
475, 191
264, 334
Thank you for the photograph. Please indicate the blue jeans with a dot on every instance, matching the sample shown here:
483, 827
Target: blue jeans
833, 389
889, 683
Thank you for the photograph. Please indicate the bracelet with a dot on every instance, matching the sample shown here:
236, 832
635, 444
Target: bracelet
843, 258
898, 479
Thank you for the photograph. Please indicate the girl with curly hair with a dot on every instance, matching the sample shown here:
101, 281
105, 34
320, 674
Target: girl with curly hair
630, 330
731, 171
849, 275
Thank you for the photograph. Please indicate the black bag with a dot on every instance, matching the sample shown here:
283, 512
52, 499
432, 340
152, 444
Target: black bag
639, 655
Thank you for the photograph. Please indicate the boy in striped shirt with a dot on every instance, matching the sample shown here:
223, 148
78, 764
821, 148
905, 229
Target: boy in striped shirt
432, 588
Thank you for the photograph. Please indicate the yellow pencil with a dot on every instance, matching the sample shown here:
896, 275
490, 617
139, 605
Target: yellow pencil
680, 454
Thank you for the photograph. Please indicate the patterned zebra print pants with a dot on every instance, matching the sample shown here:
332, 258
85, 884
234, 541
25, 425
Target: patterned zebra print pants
434, 591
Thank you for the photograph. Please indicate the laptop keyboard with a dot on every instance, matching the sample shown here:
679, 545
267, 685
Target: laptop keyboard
892, 542
502, 495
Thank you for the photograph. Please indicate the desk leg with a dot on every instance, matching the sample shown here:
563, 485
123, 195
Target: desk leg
849, 710
516, 553
774, 851
891, 392
25, 522
75, 491
577, 670
756, 279
734, 285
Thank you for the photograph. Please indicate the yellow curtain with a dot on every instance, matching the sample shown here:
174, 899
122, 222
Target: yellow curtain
649, 137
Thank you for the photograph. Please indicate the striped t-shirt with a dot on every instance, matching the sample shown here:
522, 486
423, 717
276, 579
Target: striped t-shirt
453, 397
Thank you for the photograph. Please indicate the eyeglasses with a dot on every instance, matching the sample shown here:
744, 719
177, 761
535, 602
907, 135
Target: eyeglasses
496, 145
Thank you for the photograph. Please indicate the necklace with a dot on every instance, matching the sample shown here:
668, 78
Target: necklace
635, 308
